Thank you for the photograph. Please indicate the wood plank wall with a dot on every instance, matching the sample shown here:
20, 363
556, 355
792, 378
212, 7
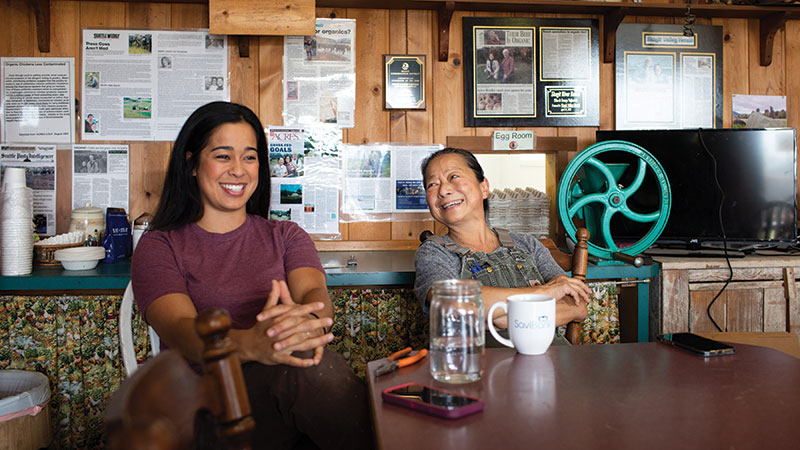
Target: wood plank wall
256, 81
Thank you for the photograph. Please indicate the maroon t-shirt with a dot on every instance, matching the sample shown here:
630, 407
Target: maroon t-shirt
231, 270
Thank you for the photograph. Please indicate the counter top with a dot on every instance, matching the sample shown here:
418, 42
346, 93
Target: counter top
372, 268
383, 268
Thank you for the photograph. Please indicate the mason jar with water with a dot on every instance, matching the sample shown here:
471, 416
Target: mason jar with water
457, 331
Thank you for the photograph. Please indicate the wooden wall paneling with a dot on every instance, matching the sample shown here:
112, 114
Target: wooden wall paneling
370, 231
63, 190
698, 310
398, 45
371, 121
420, 32
793, 314
735, 58
148, 16
103, 14
792, 58
243, 73
410, 32
448, 97
270, 80
185, 16
585, 135
745, 310
331, 13
607, 91
273, 17
775, 309
372, 41
65, 32
19, 33
675, 301
766, 80
409, 229
147, 168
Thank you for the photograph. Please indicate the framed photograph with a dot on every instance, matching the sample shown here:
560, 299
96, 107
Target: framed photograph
404, 81
530, 72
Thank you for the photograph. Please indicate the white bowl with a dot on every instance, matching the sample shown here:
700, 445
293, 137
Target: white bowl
79, 253
79, 258
80, 265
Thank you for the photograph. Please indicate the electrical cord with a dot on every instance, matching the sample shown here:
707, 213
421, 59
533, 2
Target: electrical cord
722, 227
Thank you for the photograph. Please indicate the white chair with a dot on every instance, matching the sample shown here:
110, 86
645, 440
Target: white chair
126, 334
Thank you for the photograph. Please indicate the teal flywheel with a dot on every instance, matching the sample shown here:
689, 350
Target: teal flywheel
599, 183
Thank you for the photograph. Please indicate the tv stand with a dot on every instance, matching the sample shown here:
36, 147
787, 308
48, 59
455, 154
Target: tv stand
764, 294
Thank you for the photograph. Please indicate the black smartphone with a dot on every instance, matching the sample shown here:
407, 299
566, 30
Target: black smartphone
430, 400
697, 344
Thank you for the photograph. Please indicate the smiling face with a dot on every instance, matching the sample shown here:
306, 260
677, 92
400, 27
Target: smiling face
454, 194
227, 172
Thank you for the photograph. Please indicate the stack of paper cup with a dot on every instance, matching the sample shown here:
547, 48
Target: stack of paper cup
16, 224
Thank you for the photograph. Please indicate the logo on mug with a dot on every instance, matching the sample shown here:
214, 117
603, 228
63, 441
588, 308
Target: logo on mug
541, 322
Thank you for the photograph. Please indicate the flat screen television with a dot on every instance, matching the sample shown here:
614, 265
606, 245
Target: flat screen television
756, 169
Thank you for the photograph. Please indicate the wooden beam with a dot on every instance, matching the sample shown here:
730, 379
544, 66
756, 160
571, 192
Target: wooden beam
445, 15
767, 27
42, 10
611, 21
262, 17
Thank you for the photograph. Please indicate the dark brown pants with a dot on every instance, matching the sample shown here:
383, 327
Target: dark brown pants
323, 407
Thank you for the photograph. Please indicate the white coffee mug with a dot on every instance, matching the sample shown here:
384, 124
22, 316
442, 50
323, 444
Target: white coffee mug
531, 322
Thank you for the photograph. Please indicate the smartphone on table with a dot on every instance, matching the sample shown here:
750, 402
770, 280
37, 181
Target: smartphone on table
431, 400
697, 344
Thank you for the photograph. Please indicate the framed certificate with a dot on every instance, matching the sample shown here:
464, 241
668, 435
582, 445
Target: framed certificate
404, 81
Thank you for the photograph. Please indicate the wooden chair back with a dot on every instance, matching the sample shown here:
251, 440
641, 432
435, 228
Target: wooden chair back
167, 405
577, 263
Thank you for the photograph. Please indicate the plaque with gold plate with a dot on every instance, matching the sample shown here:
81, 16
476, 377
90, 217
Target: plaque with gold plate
404, 81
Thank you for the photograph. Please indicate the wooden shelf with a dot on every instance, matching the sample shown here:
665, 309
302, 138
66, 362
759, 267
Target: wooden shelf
611, 14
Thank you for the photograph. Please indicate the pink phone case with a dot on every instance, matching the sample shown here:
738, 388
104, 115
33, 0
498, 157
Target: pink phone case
417, 405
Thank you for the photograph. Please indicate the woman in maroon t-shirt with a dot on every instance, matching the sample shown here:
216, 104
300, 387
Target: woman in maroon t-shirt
211, 244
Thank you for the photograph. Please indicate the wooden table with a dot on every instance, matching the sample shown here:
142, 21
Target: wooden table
640, 395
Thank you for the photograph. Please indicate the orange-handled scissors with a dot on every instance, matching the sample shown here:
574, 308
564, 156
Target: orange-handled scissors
396, 360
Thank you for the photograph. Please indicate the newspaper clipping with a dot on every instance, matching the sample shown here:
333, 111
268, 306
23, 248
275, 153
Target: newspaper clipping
304, 168
384, 178
697, 92
100, 176
143, 84
504, 72
37, 95
39, 163
319, 75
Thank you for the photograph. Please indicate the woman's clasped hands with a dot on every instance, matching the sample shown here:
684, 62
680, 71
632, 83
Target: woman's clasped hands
285, 327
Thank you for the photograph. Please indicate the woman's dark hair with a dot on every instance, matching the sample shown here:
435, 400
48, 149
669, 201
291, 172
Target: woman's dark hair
180, 202
471, 161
